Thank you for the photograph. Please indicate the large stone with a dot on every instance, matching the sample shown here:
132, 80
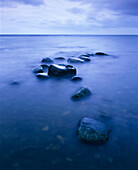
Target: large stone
100, 53
92, 131
61, 70
76, 78
75, 60
38, 69
47, 60
81, 93
42, 75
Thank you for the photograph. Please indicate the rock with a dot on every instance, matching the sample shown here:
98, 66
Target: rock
47, 60
44, 65
100, 53
92, 131
76, 78
83, 92
59, 58
61, 70
15, 83
85, 58
42, 75
38, 69
75, 60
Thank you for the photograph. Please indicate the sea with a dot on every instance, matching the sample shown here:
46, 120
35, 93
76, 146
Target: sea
38, 119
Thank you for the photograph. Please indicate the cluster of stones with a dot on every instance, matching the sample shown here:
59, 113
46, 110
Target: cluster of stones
89, 130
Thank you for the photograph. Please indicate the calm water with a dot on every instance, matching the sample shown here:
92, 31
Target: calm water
38, 120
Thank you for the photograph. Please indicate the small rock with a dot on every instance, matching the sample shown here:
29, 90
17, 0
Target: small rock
100, 53
47, 60
38, 69
59, 58
83, 92
15, 83
42, 75
85, 58
92, 131
61, 70
76, 78
75, 60
44, 65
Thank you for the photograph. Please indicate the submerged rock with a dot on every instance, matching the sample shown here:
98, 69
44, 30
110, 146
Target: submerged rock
47, 60
15, 83
92, 131
59, 58
85, 58
42, 75
61, 70
100, 53
83, 92
75, 60
38, 69
76, 78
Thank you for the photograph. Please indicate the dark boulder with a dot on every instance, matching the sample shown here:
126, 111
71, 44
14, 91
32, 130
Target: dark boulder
38, 69
83, 92
47, 60
42, 75
100, 53
75, 60
76, 78
61, 70
92, 131
59, 58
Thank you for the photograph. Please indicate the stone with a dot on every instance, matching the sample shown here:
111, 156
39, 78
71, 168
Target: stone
59, 58
47, 60
75, 60
38, 69
76, 78
81, 93
100, 53
15, 83
42, 75
44, 65
85, 58
61, 71
92, 131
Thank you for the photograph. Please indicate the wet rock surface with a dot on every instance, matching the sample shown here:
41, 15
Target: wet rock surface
61, 70
42, 75
81, 93
76, 78
44, 65
47, 60
85, 58
92, 131
75, 60
59, 58
38, 69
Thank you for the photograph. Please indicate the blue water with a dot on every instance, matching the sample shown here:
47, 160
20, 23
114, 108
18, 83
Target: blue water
38, 120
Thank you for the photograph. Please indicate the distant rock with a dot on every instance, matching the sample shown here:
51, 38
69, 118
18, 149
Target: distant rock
44, 65
15, 83
59, 58
75, 60
38, 69
92, 131
85, 58
76, 78
61, 70
47, 60
42, 75
83, 92
100, 53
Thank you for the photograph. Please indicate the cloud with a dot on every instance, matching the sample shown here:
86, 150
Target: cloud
68, 16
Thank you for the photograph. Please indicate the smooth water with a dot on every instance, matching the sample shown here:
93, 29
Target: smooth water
38, 119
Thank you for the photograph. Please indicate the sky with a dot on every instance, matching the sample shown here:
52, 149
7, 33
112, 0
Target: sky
69, 17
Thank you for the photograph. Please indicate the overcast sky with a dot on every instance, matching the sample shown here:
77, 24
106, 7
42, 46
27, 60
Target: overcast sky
69, 16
